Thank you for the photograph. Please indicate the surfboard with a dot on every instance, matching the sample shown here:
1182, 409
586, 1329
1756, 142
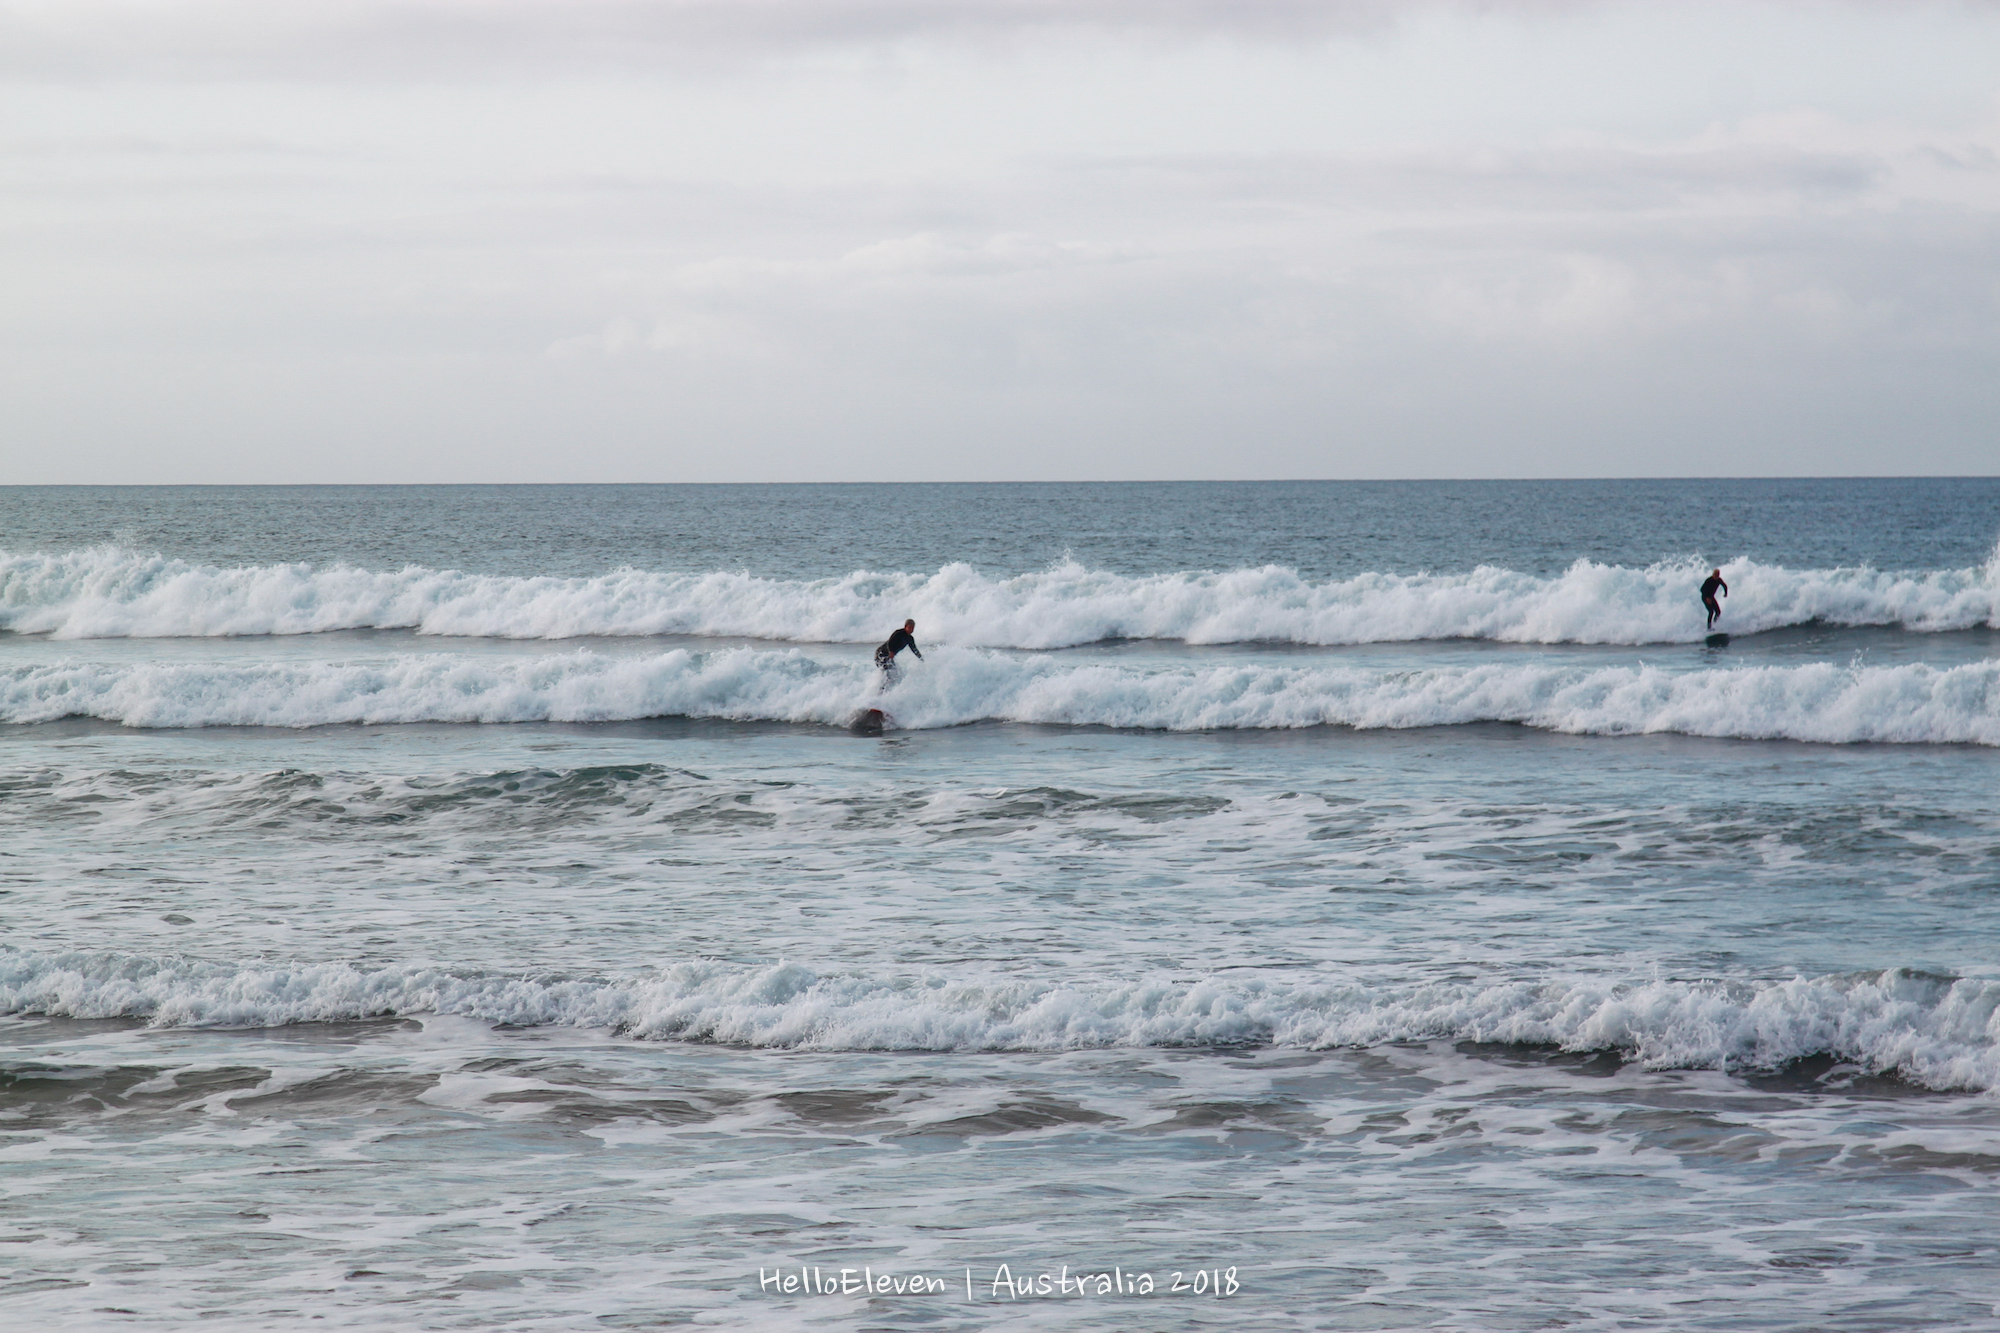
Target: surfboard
870, 722
1718, 640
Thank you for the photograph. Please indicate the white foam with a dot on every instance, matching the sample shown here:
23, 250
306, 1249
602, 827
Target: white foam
107, 592
1912, 703
1937, 1031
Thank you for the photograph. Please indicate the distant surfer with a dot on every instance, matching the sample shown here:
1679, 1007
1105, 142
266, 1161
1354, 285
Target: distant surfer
885, 656
1708, 587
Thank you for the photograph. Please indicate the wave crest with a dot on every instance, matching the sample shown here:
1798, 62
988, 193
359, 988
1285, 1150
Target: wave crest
1913, 703
1940, 1032
108, 592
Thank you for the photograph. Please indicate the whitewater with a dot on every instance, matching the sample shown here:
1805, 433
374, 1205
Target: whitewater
111, 592
1939, 1032
1837, 704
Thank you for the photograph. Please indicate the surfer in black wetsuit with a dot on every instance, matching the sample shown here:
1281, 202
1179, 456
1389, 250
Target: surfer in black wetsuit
1708, 587
885, 656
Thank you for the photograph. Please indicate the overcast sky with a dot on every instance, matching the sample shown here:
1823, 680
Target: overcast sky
824, 240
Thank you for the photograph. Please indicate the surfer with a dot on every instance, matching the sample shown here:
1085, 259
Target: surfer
885, 656
1708, 587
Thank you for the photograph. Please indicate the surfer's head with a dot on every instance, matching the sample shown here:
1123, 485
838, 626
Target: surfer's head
909, 624
1716, 572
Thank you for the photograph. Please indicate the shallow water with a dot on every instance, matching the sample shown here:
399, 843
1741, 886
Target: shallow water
1491, 982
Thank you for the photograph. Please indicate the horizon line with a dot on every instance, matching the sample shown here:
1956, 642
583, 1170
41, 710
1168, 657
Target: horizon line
1093, 481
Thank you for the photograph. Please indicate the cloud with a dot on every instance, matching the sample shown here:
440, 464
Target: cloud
1256, 247
418, 39
1608, 178
1009, 253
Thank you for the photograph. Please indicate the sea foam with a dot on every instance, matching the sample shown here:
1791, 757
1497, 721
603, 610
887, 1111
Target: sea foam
1940, 1032
1912, 703
108, 592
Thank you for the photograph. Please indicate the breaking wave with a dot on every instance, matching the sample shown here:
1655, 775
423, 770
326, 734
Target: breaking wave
1937, 1031
108, 592
1823, 702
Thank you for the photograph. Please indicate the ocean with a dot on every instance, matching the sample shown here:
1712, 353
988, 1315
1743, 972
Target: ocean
1267, 906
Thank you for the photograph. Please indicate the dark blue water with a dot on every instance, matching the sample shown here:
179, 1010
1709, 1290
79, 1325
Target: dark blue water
1323, 529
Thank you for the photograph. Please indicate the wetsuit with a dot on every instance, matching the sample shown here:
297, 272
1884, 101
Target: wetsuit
885, 656
1708, 587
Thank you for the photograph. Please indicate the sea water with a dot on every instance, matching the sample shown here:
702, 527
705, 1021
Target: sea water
1269, 906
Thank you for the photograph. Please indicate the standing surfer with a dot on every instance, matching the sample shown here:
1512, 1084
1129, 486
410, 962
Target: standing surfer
885, 656
1708, 587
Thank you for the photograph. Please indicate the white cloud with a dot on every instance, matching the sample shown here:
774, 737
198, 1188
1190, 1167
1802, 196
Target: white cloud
341, 39
929, 253
1167, 240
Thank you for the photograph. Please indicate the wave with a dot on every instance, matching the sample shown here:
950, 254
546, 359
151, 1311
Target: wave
1913, 703
108, 592
1937, 1031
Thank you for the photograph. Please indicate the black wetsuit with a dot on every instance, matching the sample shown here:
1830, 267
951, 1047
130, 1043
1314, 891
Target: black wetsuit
885, 656
1708, 587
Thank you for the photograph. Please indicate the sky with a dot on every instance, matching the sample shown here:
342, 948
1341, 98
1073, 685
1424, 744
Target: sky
892, 240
